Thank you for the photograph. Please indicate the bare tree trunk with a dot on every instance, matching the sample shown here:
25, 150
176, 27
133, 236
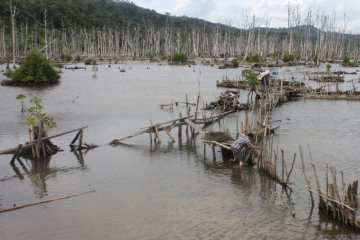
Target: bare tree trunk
13, 13
45, 32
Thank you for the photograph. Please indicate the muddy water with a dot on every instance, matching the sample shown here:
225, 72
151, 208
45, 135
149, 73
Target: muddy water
166, 191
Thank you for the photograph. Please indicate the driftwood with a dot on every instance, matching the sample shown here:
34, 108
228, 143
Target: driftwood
16, 207
227, 101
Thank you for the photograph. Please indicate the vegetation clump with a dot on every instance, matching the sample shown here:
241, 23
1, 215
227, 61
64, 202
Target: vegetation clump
36, 115
251, 78
90, 61
253, 58
178, 58
66, 57
235, 63
328, 67
288, 58
347, 62
21, 98
36, 70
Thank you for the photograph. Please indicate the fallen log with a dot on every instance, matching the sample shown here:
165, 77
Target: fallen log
16, 207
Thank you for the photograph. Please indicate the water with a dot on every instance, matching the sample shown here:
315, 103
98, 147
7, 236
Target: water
166, 191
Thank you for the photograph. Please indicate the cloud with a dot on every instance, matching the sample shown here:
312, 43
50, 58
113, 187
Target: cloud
199, 8
234, 11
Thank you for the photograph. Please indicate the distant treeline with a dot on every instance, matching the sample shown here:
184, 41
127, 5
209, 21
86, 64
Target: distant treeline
120, 29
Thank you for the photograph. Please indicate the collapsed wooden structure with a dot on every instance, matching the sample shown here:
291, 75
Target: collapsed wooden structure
327, 77
41, 147
329, 88
227, 101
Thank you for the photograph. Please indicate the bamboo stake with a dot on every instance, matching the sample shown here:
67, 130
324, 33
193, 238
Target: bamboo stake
307, 179
287, 179
314, 168
180, 126
332, 200
213, 151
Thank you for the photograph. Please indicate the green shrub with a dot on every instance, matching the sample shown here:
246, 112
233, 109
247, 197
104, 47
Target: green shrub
288, 57
35, 69
179, 58
328, 67
253, 58
90, 61
66, 57
251, 77
77, 58
347, 61
235, 62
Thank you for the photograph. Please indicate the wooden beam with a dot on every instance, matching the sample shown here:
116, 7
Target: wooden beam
195, 127
218, 144
169, 134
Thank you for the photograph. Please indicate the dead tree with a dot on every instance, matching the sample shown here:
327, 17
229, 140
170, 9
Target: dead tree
13, 13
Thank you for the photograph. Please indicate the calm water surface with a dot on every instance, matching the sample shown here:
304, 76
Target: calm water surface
166, 191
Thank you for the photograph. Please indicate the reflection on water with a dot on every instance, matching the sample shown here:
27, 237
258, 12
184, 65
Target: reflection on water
169, 190
38, 171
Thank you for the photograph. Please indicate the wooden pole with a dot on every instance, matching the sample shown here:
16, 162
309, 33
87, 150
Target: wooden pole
204, 150
213, 151
16, 154
306, 178
156, 131
180, 126
287, 178
81, 138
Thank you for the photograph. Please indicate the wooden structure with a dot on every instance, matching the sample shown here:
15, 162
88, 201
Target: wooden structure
41, 147
326, 77
339, 203
227, 101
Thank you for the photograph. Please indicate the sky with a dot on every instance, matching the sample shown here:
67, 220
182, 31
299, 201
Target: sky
233, 12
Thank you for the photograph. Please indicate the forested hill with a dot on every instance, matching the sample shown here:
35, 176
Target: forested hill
119, 28
89, 13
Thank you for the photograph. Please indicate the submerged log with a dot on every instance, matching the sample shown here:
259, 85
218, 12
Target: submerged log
16, 207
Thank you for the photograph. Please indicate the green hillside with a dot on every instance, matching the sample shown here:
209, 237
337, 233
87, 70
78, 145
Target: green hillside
117, 28
89, 13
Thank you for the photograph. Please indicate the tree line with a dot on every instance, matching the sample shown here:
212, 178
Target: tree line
119, 29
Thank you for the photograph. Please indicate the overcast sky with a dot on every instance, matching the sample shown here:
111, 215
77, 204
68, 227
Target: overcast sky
233, 11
